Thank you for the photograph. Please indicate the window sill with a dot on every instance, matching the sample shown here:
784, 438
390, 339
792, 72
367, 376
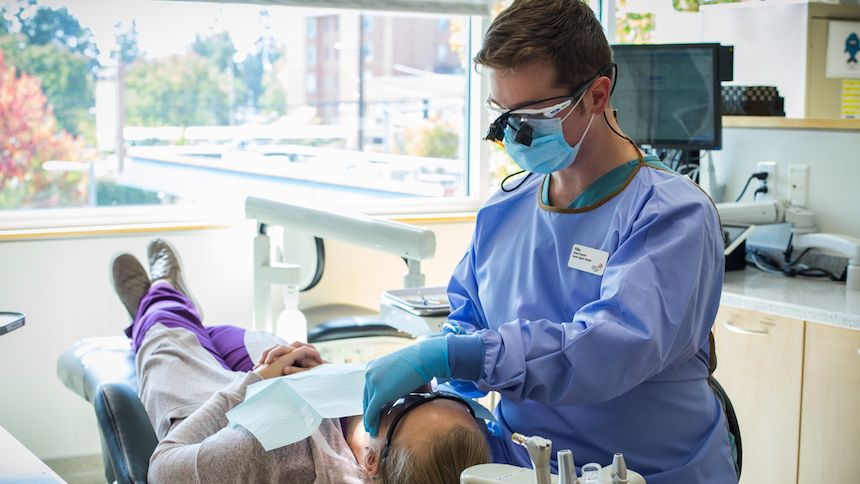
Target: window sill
116, 221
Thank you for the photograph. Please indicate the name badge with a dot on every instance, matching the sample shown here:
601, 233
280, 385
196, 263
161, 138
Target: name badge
586, 259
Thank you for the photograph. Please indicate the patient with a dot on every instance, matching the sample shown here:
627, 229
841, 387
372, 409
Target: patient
190, 376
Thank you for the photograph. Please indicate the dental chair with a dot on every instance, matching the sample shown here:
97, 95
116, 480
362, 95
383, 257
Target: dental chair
102, 370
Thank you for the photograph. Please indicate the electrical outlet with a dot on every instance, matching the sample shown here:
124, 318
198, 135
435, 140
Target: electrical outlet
798, 185
768, 167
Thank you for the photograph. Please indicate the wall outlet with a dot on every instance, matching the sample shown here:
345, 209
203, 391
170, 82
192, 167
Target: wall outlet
768, 167
798, 185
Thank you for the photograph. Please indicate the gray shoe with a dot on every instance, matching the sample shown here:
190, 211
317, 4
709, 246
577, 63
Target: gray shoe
164, 264
129, 281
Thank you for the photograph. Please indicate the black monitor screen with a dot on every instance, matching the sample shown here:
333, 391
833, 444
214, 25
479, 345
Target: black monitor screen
667, 96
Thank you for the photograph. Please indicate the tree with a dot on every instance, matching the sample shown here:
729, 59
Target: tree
178, 90
52, 46
126, 50
29, 136
434, 138
694, 5
42, 25
217, 47
273, 100
64, 76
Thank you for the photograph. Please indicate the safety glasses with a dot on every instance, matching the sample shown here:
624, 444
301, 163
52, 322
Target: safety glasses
399, 408
545, 112
496, 131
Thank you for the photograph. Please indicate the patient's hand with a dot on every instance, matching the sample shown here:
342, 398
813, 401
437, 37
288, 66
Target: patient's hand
287, 359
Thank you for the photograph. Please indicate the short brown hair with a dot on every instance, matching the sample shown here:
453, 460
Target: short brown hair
442, 463
564, 33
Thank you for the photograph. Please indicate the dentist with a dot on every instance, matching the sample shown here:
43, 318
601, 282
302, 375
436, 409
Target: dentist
588, 292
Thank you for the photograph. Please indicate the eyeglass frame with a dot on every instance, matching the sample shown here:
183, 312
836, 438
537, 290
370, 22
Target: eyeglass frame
417, 399
496, 131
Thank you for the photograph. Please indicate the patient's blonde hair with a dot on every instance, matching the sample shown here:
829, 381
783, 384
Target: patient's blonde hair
441, 463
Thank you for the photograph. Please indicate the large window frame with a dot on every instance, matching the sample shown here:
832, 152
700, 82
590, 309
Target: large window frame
477, 184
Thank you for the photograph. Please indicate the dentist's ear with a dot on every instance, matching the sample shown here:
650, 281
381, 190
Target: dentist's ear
598, 95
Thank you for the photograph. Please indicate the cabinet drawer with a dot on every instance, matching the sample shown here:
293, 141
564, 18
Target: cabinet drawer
759, 363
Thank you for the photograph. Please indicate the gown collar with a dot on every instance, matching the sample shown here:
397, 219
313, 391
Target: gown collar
604, 188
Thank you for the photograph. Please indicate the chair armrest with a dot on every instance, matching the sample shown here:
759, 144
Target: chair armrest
126, 432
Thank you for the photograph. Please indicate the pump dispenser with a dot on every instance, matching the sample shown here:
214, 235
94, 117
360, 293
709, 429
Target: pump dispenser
292, 324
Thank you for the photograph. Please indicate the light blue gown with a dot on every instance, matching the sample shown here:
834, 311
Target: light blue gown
601, 364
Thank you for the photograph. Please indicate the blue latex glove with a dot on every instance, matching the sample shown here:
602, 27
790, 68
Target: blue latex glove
393, 376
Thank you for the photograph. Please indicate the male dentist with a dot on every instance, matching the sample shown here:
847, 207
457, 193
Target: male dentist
589, 289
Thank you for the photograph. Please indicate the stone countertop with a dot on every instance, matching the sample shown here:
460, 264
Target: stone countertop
805, 298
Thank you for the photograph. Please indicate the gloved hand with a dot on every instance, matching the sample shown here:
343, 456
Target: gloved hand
394, 375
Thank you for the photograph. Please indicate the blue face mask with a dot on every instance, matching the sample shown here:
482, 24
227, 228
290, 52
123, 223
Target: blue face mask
549, 152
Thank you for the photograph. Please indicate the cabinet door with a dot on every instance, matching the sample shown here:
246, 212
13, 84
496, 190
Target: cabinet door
759, 360
830, 425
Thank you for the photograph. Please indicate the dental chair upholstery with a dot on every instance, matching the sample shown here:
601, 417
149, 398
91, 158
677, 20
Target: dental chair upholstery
102, 372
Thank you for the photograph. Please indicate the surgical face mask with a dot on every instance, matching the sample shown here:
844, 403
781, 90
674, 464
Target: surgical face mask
549, 152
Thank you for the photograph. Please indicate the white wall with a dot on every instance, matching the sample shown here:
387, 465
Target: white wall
759, 60
63, 286
834, 169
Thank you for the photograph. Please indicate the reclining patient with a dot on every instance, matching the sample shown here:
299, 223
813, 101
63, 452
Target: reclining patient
190, 376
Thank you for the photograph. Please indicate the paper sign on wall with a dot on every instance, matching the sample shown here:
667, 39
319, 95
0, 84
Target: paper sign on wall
850, 102
843, 50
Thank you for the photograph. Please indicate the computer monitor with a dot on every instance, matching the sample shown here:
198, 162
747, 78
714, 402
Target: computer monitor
668, 95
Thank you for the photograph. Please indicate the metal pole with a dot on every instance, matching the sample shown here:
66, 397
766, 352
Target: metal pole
93, 200
360, 82
119, 149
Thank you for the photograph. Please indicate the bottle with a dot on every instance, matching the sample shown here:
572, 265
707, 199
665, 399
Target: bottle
292, 324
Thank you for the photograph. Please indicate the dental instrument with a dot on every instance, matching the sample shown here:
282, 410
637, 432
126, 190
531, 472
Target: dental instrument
540, 451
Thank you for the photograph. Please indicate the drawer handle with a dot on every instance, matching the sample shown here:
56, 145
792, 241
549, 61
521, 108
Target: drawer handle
734, 329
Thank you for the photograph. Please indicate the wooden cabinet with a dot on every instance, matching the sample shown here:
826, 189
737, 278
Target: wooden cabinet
759, 363
830, 422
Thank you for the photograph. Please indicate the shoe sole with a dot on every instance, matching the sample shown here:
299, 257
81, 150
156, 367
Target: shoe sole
112, 280
181, 265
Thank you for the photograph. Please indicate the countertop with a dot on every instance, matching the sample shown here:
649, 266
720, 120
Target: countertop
803, 298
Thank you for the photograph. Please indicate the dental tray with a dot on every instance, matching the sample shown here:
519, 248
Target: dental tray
420, 300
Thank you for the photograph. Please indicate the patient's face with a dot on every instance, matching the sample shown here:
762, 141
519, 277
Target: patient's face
424, 423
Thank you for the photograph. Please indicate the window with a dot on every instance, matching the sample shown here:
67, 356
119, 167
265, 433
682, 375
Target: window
656, 22
222, 100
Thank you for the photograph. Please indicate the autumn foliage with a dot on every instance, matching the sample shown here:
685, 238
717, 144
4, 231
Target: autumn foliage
30, 136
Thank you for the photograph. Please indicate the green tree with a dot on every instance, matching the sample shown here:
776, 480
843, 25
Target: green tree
43, 25
178, 90
434, 138
51, 45
29, 136
693, 5
65, 80
126, 50
217, 47
254, 69
273, 100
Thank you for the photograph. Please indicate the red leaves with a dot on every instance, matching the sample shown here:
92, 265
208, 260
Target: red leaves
29, 136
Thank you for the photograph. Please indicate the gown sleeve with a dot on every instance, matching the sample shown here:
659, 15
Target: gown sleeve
658, 299
466, 314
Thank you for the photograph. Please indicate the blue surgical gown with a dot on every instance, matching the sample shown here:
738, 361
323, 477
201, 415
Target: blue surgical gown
606, 363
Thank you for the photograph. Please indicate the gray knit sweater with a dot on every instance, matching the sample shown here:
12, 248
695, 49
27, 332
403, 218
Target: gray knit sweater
187, 393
